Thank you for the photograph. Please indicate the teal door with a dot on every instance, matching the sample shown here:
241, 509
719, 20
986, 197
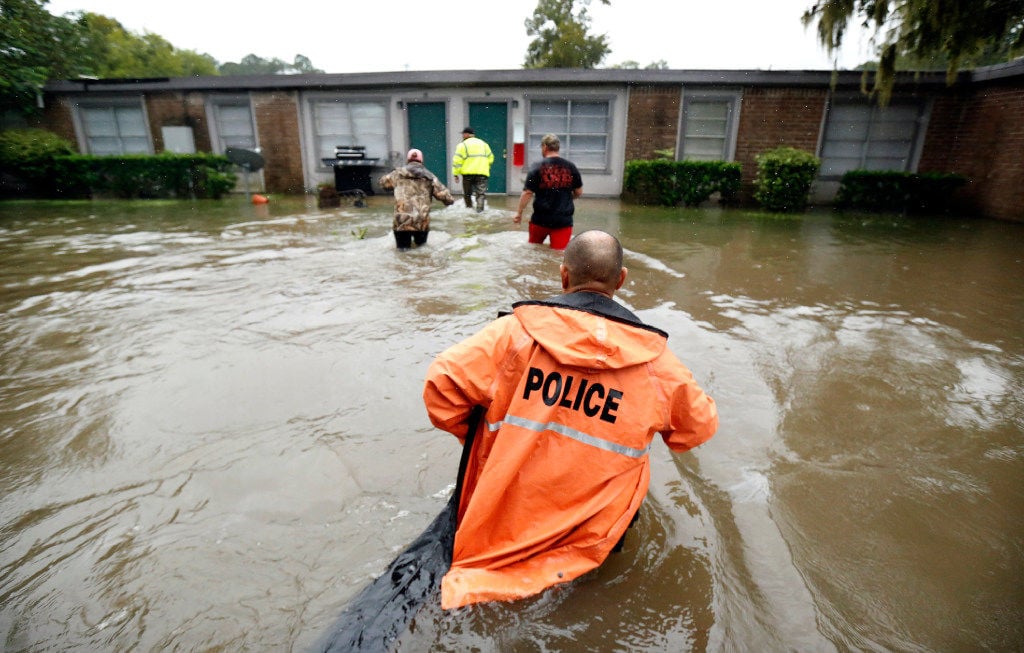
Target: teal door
490, 121
427, 133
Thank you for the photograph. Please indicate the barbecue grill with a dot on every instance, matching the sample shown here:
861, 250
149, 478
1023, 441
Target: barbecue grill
349, 152
351, 168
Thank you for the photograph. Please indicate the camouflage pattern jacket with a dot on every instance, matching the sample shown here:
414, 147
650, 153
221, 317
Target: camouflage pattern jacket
414, 188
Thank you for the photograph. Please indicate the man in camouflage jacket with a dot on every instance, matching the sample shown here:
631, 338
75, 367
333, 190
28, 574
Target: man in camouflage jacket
414, 187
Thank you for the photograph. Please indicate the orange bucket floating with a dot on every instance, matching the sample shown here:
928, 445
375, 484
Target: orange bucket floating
260, 199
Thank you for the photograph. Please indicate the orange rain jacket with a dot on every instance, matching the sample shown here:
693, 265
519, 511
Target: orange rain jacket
574, 395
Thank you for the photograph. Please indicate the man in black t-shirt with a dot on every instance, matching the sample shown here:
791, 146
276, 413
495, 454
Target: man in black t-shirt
553, 183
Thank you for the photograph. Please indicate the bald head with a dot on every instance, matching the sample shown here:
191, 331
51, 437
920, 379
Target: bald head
593, 261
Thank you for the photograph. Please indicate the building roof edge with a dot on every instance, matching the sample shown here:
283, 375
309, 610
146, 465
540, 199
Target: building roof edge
547, 76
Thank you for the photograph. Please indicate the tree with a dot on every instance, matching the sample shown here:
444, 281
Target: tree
630, 64
302, 64
254, 65
561, 38
956, 32
34, 46
110, 51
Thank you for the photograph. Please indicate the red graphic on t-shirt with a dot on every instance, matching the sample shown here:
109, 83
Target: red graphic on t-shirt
555, 177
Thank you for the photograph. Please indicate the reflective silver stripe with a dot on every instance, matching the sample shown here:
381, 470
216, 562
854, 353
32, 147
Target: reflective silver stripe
579, 436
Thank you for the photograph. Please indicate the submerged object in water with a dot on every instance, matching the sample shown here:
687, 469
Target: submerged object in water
376, 616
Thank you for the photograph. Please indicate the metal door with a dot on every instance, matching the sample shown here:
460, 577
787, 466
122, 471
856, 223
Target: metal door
427, 133
490, 121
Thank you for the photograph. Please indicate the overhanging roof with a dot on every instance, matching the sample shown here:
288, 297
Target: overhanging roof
524, 77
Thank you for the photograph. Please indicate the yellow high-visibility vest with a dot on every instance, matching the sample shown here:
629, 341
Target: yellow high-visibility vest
472, 157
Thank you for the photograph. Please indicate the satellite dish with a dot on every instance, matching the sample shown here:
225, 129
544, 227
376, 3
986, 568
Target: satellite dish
248, 159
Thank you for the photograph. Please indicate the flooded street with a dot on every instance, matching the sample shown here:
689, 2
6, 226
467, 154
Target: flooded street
212, 433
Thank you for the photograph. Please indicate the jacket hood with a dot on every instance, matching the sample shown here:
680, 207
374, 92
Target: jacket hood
589, 337
415, 170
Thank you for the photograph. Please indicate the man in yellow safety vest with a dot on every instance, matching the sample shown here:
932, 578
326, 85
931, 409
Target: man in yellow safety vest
472, 161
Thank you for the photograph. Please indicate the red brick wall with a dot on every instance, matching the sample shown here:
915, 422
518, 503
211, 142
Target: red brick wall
277, 125
57, 117
177, 110
770, 117
653, 120
943, 125
989, 150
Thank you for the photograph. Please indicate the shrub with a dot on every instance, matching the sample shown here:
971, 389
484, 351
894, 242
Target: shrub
668, 183
891, 190
28, 156
145, 177
784, 178
43, 164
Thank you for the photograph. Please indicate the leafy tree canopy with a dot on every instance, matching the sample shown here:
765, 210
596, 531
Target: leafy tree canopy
34, 46
561, 38
254, 65
629, 64
110, 51
957, 33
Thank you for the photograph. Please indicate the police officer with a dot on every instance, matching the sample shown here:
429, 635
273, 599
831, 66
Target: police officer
575, 388
472, 161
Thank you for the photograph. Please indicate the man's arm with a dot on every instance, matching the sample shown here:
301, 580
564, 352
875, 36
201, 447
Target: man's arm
461, 377
524, 200
441, 193
693, 415
458, 159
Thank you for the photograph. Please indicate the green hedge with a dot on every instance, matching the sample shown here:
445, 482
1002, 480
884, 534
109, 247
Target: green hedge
27, 155
784, 178
41, 164
145, 177
903, 192
668, 183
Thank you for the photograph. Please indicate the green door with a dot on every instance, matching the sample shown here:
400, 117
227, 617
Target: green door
490, 121
427, 133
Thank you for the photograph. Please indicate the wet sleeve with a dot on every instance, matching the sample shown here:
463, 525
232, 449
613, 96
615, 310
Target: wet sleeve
462, 376
386, 183
441, 193
692, 414
460, 156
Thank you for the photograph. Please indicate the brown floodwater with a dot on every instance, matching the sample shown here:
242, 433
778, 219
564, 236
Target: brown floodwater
212, 434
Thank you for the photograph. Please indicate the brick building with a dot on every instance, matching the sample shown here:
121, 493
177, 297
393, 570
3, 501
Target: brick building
974, 127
